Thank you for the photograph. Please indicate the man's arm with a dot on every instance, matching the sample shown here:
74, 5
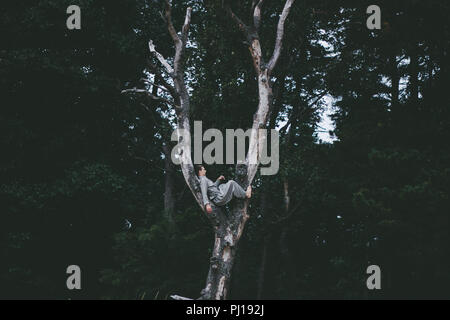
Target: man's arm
219, 179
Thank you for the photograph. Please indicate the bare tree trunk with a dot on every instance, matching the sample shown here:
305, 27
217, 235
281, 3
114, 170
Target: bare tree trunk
228, 231
221, 264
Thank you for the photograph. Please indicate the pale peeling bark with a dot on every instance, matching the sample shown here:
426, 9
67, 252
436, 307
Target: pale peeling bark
228, 227
227, 236
260, 118
263, 72
280, 35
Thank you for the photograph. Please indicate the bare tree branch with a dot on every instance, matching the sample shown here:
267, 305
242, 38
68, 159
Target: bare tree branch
161, 59
254, 3
186, 25
180, 95
257, 14
280, 34
180, 47
154, 69
177, 297
168, 14
148, 93
242, 26
147, 81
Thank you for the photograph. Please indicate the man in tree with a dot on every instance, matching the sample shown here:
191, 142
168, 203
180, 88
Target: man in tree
219, 194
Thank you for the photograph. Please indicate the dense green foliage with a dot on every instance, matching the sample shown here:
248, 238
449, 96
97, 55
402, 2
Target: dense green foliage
79, 159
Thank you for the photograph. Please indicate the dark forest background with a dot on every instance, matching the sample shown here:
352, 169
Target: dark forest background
78, 159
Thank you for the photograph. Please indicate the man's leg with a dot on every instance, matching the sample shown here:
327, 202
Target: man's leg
229, 190
238, 191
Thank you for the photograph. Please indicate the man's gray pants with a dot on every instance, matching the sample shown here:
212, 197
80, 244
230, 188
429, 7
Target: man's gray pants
227, 192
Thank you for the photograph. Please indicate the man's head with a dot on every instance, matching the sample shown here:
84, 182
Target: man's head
200, 170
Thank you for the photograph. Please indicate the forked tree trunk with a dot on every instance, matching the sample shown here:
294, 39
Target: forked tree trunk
228, 234
228, 227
